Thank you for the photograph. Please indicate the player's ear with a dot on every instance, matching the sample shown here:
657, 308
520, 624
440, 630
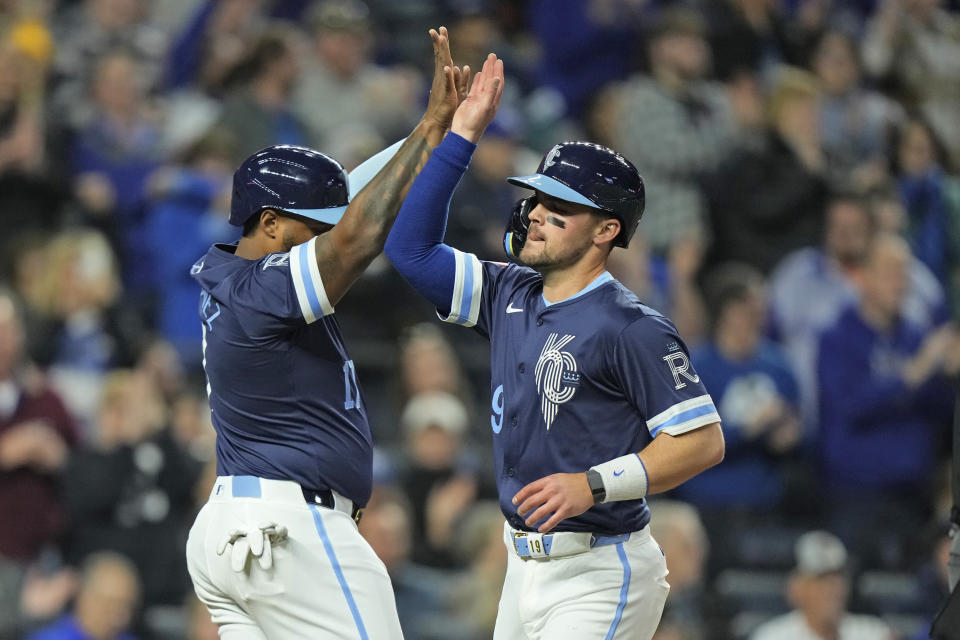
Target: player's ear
607, 229
270, 223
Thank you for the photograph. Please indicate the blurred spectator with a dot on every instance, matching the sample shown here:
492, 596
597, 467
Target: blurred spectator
476, 594
678, 530
666, 284
932, 222
819, 588
855, 123
188, 213
428, 363
21, 112
812, 286
674, 126
30, 201
674, 628
364, 107
439, 476
131, 491
746, 36
90, 29
191, 427
884, 406
113, 154
422, 594
81, 330
766, 202
757, 395
915, 44
105, 605
259, 111
584, 44
199, 624
212, 42
36, 434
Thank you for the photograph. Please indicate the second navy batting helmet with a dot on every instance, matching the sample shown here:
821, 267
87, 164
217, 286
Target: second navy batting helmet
584, 173
290, 179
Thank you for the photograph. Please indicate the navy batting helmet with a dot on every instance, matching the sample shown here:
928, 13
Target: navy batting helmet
291, 179
587, 174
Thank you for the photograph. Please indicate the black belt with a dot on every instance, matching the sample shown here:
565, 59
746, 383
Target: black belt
324, 497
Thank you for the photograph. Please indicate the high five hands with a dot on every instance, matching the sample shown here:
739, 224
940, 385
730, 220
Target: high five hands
480, 105
450, 83
470, 107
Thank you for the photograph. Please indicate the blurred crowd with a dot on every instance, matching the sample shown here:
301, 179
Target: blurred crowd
802, 229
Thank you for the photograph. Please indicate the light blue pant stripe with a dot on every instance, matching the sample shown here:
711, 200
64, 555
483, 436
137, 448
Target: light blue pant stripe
623, 591
339, 572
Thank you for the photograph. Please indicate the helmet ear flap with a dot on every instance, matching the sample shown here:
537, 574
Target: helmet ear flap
516, 232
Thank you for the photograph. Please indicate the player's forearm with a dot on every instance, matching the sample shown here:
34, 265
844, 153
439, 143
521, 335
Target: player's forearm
367, 220
415, 244
672, 460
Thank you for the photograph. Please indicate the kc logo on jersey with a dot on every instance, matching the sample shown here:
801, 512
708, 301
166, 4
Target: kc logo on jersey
557, 376
679, 366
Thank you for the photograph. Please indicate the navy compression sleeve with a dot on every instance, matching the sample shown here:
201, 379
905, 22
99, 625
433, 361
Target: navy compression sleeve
415, 245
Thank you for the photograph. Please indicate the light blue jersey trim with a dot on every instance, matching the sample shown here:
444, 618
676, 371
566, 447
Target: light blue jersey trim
318, 521
603, 278
468, 291
623, 591
689, 414
312, 297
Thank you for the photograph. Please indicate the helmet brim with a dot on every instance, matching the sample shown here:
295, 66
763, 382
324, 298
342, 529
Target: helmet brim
328, 216
551, 187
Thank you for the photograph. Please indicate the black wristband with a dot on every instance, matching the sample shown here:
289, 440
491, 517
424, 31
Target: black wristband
595, 480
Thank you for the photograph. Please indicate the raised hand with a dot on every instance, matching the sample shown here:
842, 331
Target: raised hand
480, 106
444, 92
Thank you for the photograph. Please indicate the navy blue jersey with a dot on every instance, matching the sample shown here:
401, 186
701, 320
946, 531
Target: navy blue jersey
283, 392
575, 383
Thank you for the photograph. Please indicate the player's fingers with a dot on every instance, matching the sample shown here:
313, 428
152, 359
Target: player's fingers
527, 491
541, 513
502, 79
475, 87
443, 46
529, 504
554, 520
465, 78
451, 79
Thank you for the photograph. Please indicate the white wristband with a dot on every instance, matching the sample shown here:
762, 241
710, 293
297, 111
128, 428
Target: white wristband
624, 478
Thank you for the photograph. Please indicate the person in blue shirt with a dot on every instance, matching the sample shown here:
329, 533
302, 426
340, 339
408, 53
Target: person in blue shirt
884, 408
757, 395
275, 553
584, 377
106, 601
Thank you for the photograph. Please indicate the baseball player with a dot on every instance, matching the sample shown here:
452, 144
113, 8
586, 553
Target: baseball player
594, 403
275, 553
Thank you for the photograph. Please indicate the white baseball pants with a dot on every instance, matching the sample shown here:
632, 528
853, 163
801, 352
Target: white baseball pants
270, 566
611, 591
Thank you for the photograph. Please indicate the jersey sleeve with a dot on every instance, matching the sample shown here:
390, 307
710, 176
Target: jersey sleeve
280, 291
477, 285
654, 366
